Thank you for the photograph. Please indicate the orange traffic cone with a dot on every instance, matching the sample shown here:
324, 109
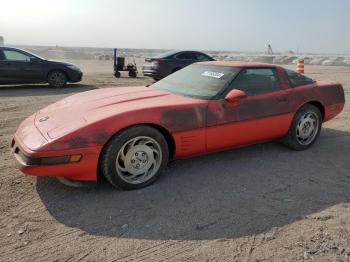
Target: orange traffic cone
300, 66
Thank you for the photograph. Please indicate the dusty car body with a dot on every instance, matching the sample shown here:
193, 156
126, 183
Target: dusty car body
68, 138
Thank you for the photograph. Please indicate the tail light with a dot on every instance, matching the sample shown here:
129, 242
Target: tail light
158, 61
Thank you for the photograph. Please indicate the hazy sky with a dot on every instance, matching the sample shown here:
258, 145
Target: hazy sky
249, 25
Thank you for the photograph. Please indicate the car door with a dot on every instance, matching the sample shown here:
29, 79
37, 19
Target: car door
265, 113
20, 67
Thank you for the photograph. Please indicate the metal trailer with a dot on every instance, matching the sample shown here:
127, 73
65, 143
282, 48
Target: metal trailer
119, 65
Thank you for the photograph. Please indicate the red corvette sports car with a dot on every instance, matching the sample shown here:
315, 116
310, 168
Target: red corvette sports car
129, 134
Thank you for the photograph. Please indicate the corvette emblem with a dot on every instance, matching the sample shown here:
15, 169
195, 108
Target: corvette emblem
43, 119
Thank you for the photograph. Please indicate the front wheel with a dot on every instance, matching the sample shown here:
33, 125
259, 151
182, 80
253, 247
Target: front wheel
305, 128
57, 79
135, 157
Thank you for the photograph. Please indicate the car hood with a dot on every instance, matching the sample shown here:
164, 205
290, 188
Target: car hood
62, 63
89, 107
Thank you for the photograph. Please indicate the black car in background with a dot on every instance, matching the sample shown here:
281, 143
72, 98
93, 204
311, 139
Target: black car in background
21, 67
165, 64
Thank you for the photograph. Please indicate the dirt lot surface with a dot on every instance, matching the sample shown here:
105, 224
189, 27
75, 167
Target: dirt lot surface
260, 203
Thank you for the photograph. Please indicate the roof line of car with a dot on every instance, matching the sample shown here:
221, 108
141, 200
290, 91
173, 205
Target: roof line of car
239, 64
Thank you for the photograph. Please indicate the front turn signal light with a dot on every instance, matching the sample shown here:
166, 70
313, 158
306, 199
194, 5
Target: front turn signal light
74, 158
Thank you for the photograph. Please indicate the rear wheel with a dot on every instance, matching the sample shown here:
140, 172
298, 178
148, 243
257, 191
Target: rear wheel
57, 79
117, 74
135, 157
305, 128
132, 74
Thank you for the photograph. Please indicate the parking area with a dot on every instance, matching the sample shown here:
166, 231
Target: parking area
259, 203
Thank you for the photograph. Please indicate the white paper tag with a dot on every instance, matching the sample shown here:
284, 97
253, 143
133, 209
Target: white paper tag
213, 74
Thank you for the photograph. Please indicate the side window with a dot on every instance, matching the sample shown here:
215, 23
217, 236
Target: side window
297, 79
201, 57
2, 56
184, 56
255, 81
11, 55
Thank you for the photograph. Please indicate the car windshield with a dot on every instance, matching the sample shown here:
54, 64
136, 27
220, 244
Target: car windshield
201, 81
35, 55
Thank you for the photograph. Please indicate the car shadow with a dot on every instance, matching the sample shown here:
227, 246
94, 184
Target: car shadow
225, 195
41, 90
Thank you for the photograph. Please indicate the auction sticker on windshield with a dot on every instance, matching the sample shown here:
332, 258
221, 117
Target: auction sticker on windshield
213, 74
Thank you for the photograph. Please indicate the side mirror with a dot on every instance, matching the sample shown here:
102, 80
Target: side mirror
235, 95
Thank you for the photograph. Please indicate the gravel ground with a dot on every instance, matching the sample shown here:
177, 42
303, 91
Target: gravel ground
260, 203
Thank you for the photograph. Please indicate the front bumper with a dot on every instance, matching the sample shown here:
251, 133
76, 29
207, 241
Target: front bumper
31, 162
75, 76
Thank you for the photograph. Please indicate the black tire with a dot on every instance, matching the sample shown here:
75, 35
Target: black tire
57, 79
110, 156
117, 74
292, 139
132, 74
